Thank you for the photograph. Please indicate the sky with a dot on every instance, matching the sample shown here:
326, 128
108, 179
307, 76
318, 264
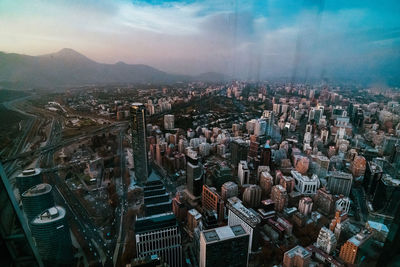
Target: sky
297, 39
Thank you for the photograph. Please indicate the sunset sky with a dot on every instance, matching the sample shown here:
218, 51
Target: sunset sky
247, 39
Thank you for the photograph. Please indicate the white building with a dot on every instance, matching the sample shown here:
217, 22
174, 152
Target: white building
243, 172
304, 184
326, 240
169, 122
239, 214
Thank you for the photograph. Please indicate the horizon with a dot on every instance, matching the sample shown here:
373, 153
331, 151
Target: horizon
252, 40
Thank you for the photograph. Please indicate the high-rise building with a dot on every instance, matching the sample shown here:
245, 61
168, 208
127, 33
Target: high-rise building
228, 190
326, 240
159, 234
224, 246
305, 205
37, 199
297, 257
239, 150
52, 237
373, 174
139, 144
280, 197
18, 248
243, 172
252, 196
239, 214
324, 201
339, 183
304, 184
386, 197
156, 198
211, 200
349, 252
28, 178
266, 183
169, 122
358, 166
194, 176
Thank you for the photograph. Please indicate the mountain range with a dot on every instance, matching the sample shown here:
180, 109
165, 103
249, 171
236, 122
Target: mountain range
70, 68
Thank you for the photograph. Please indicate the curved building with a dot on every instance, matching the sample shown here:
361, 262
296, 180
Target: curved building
28, 178
51, 234
228, 190
36, 199
252, 196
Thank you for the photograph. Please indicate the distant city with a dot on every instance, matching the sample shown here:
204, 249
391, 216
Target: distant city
202, 174
207, 133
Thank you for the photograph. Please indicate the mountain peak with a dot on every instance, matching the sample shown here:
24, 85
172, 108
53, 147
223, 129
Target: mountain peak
68, 52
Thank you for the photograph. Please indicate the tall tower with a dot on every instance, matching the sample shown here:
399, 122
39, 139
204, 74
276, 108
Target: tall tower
37, 199
139, 144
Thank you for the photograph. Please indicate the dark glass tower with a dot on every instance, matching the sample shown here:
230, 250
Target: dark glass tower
139, 145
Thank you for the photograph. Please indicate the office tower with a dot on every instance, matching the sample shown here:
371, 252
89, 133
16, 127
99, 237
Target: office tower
266, 183
350, 251
266, 155
243, 172
224, 246
28, 178
159, 234
239, 150
288, 183
339, 183
239, 214
193, 219
304, 184
387, 196
52, 237
156, 198
252, 196
211, 200
280, 197
228, 190
15, 237
305, 205
326, 240
358, 166
178, 206
209, 219
169, 122
324, 201
194, 176
37, 199
373, 174
389, 145
324, 136
139, 144
260, 127
297, 257
221, 175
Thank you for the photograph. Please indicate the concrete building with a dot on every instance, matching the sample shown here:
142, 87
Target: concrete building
297, 257
243, 172
239, 214
349, 252
326, 240
304, 184
228, 190
305, 205
280, 197
239, 150
28, 178
194, 176
139, 142
159, 234
339, 183
211, 200
224, 246
37, 199
252, 196
52, 236
266, 183
193, 219
169, 122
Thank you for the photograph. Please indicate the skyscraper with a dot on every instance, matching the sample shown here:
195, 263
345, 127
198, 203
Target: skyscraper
139, 145
224, 246
28, 178
53, 239
37, 199
194, 176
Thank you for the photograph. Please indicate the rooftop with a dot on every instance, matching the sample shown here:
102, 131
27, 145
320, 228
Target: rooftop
51, 214
223, 233
37, 190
